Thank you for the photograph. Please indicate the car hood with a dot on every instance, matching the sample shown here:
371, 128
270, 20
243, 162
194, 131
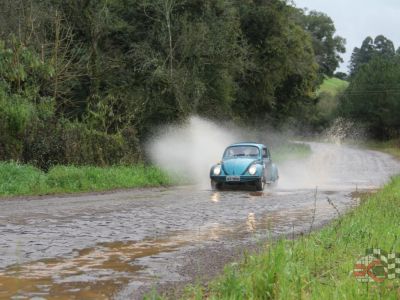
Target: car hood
237, 166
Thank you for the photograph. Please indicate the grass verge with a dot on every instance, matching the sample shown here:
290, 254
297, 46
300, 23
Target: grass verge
17, 179
319, 265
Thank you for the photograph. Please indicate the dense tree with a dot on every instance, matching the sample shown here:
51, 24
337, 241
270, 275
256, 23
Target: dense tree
327, 46
384, 46
112, 71
341, 75
370, 48
282, 67
372, 97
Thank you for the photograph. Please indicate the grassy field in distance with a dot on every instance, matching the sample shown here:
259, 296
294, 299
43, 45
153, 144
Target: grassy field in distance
333, 86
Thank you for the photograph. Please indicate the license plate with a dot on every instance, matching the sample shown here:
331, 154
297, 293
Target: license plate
232, 178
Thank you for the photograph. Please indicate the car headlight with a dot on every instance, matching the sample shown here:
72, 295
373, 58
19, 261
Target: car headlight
217, 170
253, 170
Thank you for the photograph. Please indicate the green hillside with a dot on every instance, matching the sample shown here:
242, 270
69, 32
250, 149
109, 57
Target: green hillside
328, 101
332, 86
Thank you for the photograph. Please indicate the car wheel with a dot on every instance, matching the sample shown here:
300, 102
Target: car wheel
260, 184
215, 186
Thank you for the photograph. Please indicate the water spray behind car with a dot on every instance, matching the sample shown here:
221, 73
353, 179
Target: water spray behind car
188, 150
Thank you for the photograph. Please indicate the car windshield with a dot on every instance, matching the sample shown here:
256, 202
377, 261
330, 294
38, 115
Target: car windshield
237, 151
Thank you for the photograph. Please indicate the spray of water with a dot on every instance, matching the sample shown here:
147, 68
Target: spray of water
190, 149
343, 130
328, 164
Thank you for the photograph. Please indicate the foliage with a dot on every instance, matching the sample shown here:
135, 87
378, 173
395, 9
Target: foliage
371, 48
317, 266
97, 77
341, 75
323, 114
329, 94
73, 143
21, 100
372, 97
326, 45
281, 73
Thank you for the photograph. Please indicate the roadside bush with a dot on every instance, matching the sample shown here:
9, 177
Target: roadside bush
90, 147
62, 142
43, 145
133, 151
15, 114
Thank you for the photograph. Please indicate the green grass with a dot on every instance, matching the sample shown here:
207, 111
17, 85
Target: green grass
17, 179
317, 266
333, 86
328, 96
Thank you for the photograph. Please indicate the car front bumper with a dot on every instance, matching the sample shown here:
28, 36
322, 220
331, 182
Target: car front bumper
243, 179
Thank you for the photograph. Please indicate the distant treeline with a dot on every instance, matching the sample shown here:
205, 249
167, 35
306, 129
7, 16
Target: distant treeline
373, 96
86, 81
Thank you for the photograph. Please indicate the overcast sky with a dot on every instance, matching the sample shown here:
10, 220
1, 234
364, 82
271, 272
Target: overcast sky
356, 19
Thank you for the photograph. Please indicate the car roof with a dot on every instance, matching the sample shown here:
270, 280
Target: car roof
248, 144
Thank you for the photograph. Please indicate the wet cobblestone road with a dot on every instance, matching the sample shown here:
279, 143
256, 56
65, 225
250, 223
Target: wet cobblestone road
117, 245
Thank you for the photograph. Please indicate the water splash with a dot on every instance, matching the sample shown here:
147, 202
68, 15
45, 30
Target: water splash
190, 149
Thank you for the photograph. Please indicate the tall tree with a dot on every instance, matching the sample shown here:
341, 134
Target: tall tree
327, 46
372, 97
384, 46
282, 69
370, 48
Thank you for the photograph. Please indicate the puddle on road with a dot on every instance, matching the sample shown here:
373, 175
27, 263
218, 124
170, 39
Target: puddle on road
92, 273
102, 271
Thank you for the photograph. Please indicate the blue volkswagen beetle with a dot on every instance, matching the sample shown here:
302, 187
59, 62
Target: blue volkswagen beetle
244, 163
